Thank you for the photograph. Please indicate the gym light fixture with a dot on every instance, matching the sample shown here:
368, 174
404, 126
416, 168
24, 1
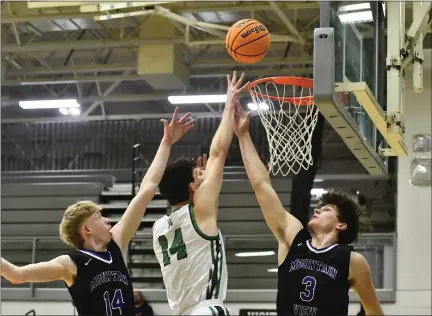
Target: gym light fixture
354, 17
64, 111
75, 111
354, 13
49, 104
70, 111
354, 7
253, 106
196, 99
318, 192
255, 254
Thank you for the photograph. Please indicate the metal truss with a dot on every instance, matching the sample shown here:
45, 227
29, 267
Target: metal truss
115, 27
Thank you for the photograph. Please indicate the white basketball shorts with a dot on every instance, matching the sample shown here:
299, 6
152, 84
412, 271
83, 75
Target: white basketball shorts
208, 307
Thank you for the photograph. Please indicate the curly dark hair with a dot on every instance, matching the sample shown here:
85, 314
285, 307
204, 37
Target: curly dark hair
349, 212
174, 185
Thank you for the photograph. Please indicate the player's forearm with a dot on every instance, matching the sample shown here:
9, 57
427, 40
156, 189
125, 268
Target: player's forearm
255, 169
374, 310
126, 228
224, 134
10, 272
157, 168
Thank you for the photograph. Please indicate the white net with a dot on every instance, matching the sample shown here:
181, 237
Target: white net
289, 116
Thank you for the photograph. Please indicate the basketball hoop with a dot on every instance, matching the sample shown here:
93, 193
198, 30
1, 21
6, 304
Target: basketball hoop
287, 111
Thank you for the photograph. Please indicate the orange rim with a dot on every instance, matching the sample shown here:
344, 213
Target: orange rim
292, 81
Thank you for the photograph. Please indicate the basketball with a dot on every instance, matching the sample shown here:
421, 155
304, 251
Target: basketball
247, 41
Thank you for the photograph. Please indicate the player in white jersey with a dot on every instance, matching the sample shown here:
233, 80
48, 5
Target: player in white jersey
188, 243
203, 275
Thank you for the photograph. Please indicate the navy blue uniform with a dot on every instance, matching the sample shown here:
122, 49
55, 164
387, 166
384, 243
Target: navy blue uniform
102, 286
314, 281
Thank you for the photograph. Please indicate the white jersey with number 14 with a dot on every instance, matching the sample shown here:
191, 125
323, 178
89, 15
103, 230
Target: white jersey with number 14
193, 264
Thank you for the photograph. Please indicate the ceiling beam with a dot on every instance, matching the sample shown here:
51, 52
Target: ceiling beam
290, 26
134, 77
202, 64
105, 43
71, 80
88, 44
52, 4
219, 63
91, 68
27, 15
240, 7
33, 17
108, 91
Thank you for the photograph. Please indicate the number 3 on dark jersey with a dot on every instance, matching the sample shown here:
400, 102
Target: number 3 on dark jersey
309, 292
116, 303
178, 247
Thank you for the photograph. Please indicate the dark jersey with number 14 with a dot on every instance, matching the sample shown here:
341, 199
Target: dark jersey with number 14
102, 286
314, 281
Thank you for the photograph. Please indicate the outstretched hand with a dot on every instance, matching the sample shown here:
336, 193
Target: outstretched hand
175, 130
235, 89
242, 121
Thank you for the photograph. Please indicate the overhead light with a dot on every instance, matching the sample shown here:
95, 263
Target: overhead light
272, 270
70, 111
318, 180
196, 99
353, 13
354, 17
49, 104
75, 111
40, 82
64, 111
354, 7
255, 254
318, 192
262, 105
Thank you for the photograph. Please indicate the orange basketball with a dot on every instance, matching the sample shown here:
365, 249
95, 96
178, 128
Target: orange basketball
247, 41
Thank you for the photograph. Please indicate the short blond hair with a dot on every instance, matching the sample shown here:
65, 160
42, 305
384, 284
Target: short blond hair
72, 220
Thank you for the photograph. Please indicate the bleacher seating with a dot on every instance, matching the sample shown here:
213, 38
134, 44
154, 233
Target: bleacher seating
36, 208
32, 208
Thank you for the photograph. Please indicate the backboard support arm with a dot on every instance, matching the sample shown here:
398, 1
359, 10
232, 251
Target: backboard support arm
395, 72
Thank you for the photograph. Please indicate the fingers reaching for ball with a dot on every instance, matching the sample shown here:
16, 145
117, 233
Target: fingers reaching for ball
235, 89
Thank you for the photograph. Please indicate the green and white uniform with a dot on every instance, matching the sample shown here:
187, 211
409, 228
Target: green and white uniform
193, 264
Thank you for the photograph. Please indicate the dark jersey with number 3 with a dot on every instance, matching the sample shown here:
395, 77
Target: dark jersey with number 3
314, 281
102, 286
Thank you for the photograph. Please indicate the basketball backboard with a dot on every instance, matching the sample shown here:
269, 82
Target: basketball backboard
350, 81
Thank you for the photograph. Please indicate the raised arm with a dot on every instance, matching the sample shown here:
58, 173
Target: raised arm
361, 281
126, 228
60, 268
207, 195
282, 224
